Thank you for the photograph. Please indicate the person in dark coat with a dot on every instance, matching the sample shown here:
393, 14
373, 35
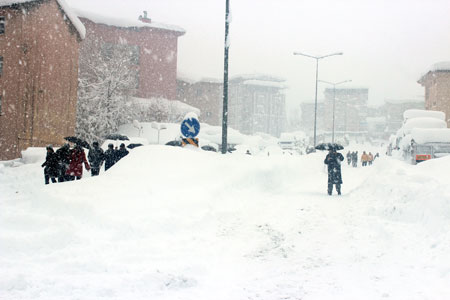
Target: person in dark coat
51, 166
96, 158
122, 152
77, 158
110, 157
333, 160
63, 155
349, 157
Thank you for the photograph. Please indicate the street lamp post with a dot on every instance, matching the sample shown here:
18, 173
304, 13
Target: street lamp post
317, 79
225, 80
334, 84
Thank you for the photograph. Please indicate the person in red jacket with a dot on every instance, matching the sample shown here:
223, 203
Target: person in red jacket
77, 158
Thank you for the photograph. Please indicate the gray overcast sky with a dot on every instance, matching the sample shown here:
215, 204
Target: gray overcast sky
387, 44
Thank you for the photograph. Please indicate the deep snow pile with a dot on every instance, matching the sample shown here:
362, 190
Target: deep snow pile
173, 223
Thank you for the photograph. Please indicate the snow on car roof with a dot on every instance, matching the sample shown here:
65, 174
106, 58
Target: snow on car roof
415, 113
430, 135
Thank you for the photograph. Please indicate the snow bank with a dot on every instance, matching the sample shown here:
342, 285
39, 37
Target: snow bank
169, 223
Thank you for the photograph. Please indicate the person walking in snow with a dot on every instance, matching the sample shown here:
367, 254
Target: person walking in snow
122, 152
355, 159
370, 158
349, 157
110, 157
51, 166
333, 161
96, 158
63, 155
364, 159
77, 158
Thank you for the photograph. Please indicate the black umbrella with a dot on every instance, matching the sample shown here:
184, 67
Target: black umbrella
132, 146
209, 148
329, 146
117, 137
78, 141
174, 143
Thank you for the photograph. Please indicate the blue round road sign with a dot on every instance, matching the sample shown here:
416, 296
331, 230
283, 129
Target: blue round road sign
190, 127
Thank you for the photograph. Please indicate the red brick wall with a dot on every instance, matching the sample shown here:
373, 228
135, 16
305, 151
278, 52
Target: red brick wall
157, 53
437, 92
40, 78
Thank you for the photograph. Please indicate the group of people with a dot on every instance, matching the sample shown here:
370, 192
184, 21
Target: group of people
334, 159
66, 164
366, 158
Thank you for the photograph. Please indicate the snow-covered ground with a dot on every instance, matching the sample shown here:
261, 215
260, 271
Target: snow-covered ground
172, 223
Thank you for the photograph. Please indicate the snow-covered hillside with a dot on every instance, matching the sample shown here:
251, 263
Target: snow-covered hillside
172, 223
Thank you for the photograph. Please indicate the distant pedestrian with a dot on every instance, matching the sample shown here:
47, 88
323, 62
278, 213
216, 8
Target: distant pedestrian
370, 160
110, 157
96, 158
63, 155
122, 152
349, 157
354, 159
333, 160
51, 166
77, 159
364, 159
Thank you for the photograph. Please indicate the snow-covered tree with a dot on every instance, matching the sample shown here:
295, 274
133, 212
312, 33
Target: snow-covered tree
107, 79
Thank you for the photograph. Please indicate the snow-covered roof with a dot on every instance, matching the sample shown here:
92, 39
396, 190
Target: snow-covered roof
64, 6
262, 77
440, 66
175, 104
443, 66
125, 22
415, 113
274, 84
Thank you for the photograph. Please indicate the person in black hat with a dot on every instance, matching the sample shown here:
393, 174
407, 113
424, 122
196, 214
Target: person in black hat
96, 158
122, 152
110, 157
333, 161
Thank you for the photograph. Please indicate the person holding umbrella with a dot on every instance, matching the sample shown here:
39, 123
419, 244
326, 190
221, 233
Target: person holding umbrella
333, 161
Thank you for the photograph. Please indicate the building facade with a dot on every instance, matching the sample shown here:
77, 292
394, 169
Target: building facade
38, 74
350, 109
437, 88
205, 94
256, 103
154, 47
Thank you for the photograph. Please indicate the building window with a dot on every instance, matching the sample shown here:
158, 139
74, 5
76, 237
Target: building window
1, 65
2, 25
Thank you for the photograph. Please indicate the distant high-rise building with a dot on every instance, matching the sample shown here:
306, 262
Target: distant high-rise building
350, 109
257, 104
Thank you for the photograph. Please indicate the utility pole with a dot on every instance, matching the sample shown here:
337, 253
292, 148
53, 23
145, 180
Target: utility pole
225, 81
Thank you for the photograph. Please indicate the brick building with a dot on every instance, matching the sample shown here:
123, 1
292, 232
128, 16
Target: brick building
39, 43
154, 47
256, 103
205, 94
437, 88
